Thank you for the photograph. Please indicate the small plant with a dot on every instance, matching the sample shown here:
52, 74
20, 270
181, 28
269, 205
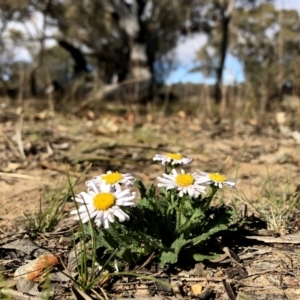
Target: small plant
172, 223
275, 204
48, 215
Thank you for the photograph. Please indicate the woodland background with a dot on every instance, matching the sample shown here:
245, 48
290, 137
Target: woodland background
124, 49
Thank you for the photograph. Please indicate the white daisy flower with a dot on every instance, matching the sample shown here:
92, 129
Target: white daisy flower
185, 183
103, 205
173, 158
218, 179
115, 179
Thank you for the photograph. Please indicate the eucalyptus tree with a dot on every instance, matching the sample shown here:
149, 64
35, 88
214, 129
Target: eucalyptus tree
266, 41
221, 15
122, 34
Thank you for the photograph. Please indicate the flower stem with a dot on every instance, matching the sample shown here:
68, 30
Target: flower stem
179, 213
214, 189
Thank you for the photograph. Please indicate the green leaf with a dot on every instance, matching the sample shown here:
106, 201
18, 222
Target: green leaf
145, 203
172, 256
168, 257
142, 189
193, 220
205, 236
151, 192
201, 257
178, 244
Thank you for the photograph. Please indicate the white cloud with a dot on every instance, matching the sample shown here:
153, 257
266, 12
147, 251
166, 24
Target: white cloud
288, 4
22, 54
31, 29
185, 52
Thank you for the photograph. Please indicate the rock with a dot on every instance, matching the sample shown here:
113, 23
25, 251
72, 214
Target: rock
280, 157
33, 271
291, 102
280, 118
196, 289
285, 130
271, 148
296, 137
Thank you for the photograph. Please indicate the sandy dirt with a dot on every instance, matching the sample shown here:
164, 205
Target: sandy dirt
36, 150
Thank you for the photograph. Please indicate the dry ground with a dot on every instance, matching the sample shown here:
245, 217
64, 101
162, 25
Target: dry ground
36, 150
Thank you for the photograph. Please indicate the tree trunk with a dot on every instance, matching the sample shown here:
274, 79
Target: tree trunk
223, 51
140, 67
226, 13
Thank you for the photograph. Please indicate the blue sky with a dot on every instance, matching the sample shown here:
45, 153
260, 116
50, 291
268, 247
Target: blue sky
185, 56
233, 73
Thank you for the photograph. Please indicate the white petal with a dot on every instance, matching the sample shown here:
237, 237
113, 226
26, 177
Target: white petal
230, 183
105, 188
85, 219
99, 216
98, 222
116, 187
105, 213
74, 212
163, 185
83, 214
122, 216
159, 157
203, 173
126, 199
170, 178
202, 179
167, 181
120, 193
88, 214
78, 199
82, 208
190, 191
84, 197
166, 178
110, 217
186, 160
127, 203
106, 224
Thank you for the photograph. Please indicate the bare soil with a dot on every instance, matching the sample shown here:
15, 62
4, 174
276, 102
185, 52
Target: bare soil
37, 149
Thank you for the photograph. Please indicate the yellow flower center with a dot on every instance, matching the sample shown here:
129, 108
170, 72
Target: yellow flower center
112, 178
174, 156
184, 180
217, 177
104, 201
